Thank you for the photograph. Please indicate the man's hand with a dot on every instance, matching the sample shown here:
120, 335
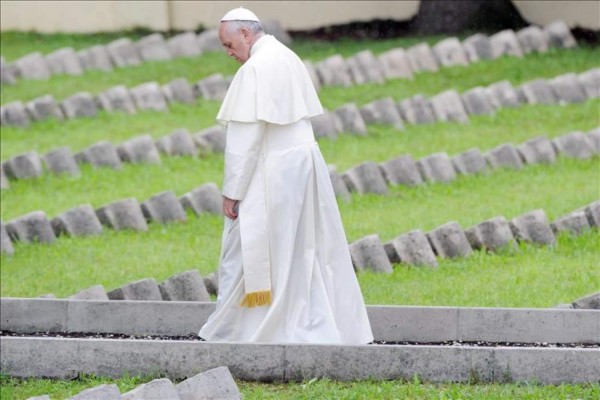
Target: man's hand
230, 207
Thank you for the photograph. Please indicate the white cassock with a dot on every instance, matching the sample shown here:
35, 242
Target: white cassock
288, 238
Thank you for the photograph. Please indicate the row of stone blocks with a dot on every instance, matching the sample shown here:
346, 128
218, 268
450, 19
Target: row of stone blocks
119, 53
139, 149
417, 248
370, 177
214, 384
127, 214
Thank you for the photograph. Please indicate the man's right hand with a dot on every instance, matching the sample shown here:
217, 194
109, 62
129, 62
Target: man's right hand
230, 207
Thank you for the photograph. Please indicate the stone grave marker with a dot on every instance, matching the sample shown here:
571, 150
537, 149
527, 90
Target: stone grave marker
117, 98
78, 221
436, 168
574, 145
594, 139
216, 383
186, 286
213, 87
64, 61
208, 40
364, 67
504, 156
123, 214
382, 111
33, 66
368, 253
421, 58
154, 48
533, 38
143, 289
157, 389
4, 184
139, 149
95, 58
538, 150
590, 81
449, 241
559, 35
352, 121
31, 228
592, 212
538, 91
179, 91
211, 282
333, 71
206, 198
493, 235
14, 114
163, 208
101, 392
469, 162
576, 223
339, 186
81, 104
61, 161
505, 43
365, 178
96, 292
413, 248
567, 89
401, 171
449, 52
23, 166
477, 47
214, 136
149, 96
395, 64
101, 154
416, 110
503, 94
7, 73
123, 52
181, 143
184, 45
6, 245
448, 106
533, 227
477, 101
327, 124
44, 107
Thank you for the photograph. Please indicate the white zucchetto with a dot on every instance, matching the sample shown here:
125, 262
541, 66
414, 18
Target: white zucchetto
240, 14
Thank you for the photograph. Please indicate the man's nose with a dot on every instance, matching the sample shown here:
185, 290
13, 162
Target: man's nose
230, 53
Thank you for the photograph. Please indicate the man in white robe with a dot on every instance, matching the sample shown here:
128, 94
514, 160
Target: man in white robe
285, 273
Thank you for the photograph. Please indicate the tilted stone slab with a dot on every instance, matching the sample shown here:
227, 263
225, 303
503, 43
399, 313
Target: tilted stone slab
449, 241
95, 58
390, 251
213, 87
436, 168
365, 178
505, 43
214, 136
79, 105
590, 81
7, 73
101, 154
395, 64
503, 94
217, 383
78, 221
352, 121
477, 101
206, 198
144, 289
33, 66
448, 106
14, 114
333, 71
149, 96
591, 302
164, 207
179, 91
576, 223
3, 179
504, 156
401, 171
416, 110
339, 186
533, 227
567, 89
421, 58
592, 212
449, 52
364, 67
123, 52
154, 48
23, 166
6, 245
30, 228
382, 111
96, 292
469, 162
123, 214
477, 47
140, 149
64, 61
211, 282
413, 248
594, 139
538, 150
533, 39
314, 76
184, 45
101, 392
61, 161
327, 124
368, 253
157, 389
574, 145
186, 286
559, 35
538, 91
208, 40
117, 98
493, 235
44, 107
178, 143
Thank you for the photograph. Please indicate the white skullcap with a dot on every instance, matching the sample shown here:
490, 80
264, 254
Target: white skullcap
240, 14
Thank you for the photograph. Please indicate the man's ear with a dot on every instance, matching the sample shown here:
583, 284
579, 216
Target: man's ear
246, 33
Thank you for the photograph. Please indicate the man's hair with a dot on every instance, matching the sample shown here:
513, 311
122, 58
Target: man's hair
253, 26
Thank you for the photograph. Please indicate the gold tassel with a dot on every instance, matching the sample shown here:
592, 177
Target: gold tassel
257, 299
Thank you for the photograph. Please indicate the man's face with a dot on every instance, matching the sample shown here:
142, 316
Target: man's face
236, 42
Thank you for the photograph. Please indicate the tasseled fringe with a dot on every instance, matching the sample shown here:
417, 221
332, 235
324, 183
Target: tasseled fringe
257, 299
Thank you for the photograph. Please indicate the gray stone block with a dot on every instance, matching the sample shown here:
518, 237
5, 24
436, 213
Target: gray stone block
477, 47
591, 302
211, 282
505, 43
594, 139
3, 179
123, 52
416, 110
7, 73
178, 143
95, 58
327, 124
574, 145
101, 392
140, 149
23, 166
208, 40
382, 111
413, 248
61, 161
206, 198
538, 91
590, 81
533, 38
392, 255
592, 212
436, 168
217, 384
559, 35
493, 235
179, 91
401, 171
469, 162
101, 154
449, 241
44, 107
273, 27
144, 289
421, 58
79, 105
154, 48
184, 45
448, 106
395, 64
123, 214
33, 66
333, 71
314, 77
186, 286
575, 223
96, 292
364, 68
213, 87
163, 208
502, 94
31, 228
449, 52
117, 98
352, 121
14, 114
365, 178
78, 221
158, 389
504, 156
64, 61
149, 96
533, 227
339, 186
6, 245
477, 101
214, 136
368, 253
567, 89
538, 150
